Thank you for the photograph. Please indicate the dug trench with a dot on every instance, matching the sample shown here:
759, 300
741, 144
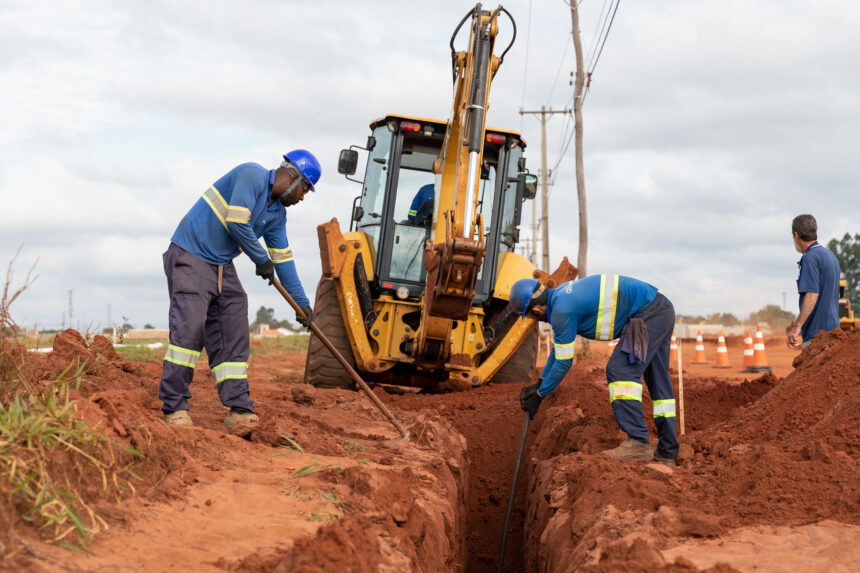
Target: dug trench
769, 476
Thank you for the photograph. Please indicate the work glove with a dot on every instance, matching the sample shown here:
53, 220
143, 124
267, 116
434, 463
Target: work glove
308, 313
530, 399
267, 271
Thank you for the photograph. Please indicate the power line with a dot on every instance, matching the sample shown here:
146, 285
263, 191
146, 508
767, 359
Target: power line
597, 59
598, 30
607, 26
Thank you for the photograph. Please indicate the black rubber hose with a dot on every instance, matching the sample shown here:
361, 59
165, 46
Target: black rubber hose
513, 491
514, 23
454, 35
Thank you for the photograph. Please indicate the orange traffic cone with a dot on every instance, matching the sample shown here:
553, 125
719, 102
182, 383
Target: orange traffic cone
699, 357
748, 350
759, 357
673, 350
722, 353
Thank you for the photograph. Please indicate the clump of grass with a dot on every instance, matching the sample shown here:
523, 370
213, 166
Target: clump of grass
263, 346
351, 449
332, 499
51, 461
12, 354
47, 453
311, 468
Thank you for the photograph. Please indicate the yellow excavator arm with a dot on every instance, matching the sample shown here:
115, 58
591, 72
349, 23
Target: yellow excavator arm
454, 254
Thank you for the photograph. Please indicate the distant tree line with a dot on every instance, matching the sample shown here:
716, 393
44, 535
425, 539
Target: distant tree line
267, 316
847, 251
771, 314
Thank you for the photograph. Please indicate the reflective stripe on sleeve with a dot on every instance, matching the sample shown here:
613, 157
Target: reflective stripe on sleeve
227, 370
181, 356
564, 351
412, 212
217, 203
281, 255
626, 390
236, 214
664, 408
606, 310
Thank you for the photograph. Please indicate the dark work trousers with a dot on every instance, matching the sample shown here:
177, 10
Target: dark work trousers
625, 385
204, 315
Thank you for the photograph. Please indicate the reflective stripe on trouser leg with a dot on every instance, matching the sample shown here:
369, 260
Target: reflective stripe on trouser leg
227, 342
190, 283
659, 319
625, 395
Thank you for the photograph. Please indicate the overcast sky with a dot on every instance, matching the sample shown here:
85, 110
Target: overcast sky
708, 126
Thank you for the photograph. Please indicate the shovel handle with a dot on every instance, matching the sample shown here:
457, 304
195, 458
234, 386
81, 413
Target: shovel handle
343, 362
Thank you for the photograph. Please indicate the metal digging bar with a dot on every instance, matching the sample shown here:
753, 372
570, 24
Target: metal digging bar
513, 491
355, 376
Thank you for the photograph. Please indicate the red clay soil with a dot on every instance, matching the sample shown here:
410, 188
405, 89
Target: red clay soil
767, 458
491, 421
769, 452
350, 500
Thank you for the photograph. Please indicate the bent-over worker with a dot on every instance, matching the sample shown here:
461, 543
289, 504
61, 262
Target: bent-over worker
208, 306
606, 307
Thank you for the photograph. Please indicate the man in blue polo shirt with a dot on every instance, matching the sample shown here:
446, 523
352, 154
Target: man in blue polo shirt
817, 284
606, 307
208, 306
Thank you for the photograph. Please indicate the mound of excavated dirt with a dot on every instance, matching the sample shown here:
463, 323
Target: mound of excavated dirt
767, 452
318, 486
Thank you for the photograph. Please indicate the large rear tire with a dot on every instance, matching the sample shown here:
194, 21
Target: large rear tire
521, 366
322, 369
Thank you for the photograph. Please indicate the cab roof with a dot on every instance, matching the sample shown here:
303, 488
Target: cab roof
440, 122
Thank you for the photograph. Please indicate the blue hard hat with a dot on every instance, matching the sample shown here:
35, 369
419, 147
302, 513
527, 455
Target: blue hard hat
521, 294
307, 164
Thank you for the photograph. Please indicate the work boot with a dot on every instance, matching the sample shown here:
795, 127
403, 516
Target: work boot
631, 449
178, 418
240, 416
668, 461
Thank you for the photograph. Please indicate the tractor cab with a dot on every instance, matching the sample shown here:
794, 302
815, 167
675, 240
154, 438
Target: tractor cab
398, 204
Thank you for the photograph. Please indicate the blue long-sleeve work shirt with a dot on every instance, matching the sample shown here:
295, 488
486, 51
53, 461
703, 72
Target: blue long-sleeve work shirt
230, 218
596, 307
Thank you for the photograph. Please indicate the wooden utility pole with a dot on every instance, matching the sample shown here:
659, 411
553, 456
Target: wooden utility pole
544, 195
579, 83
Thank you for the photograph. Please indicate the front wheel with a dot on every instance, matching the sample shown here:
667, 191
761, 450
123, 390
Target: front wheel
322, 369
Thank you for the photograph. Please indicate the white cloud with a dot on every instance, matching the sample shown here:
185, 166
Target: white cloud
707, 128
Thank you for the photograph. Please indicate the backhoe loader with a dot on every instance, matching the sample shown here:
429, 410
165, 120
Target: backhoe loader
416, 291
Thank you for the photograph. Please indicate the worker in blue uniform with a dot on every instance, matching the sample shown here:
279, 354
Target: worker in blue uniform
208, 306
421, 210
606, 307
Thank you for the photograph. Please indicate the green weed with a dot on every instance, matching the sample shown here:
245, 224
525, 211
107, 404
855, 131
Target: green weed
332, 499
293, 443
310, 469
351, 449
46, 452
